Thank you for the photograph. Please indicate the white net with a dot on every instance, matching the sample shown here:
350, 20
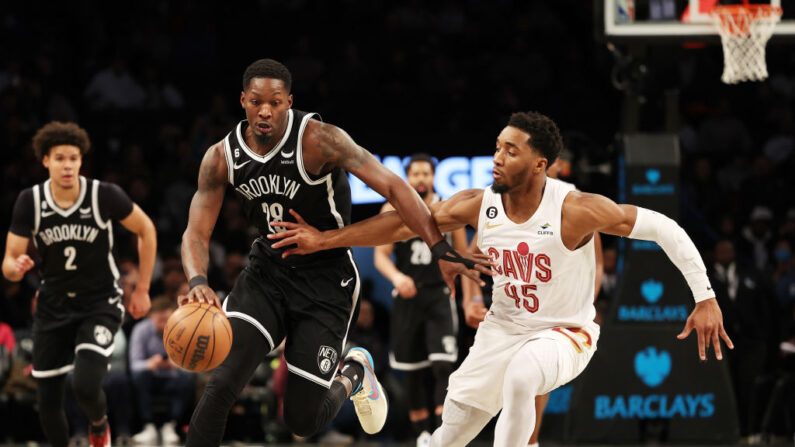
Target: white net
744, 32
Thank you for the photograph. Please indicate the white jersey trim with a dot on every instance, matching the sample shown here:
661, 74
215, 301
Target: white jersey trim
230, 169
52, 372
98, 349
300, 154
253, 321
402, 366
272, 152
58, 209
36, 213
95, 206
309, 376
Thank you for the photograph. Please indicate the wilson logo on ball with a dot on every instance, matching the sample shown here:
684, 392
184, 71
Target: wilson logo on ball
198, 354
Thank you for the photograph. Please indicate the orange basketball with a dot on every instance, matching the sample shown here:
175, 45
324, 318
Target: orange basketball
197, 337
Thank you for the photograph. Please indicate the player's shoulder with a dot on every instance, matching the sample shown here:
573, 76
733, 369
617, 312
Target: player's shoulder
26, 193
214, 161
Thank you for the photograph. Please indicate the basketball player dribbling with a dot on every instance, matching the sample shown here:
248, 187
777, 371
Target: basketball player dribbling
276, 160
79, 309
539, 332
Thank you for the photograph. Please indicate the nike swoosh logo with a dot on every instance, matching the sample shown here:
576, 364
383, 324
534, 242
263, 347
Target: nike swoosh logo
47, 213
85, 210
374, 394
490, 226
238, 166
287, 154
345, 282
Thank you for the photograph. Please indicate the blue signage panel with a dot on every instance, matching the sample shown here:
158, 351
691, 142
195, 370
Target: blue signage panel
452, 175
644, 377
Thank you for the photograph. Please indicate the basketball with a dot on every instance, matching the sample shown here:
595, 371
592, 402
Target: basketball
197, 337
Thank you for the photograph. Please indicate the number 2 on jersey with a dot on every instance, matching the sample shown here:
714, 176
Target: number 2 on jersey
273, 212
530, 300
70, 253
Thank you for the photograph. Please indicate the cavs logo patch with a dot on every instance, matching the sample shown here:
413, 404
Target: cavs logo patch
102, 335
326, 358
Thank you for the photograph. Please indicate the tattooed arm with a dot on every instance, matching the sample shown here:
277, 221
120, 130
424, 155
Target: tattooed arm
335, 148
204, 209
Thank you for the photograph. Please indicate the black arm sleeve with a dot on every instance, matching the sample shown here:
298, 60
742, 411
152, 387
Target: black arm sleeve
22, 216
114, 203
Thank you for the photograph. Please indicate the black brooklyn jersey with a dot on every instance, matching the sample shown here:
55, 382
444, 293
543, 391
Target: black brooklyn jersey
75, 244
414, 259
272, 184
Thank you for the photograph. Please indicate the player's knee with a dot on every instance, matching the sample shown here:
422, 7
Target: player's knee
455, 413
299, 419
522, 380
223, 388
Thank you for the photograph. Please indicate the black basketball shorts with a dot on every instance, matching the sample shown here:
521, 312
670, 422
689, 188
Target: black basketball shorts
312, 305
63, 326
423, 329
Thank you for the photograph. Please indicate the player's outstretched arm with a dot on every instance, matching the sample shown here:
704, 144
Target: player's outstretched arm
204, 209
386, 228
16, 261
584, 213
338, 149
140, 224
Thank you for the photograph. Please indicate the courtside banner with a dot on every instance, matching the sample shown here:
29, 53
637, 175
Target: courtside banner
645, 385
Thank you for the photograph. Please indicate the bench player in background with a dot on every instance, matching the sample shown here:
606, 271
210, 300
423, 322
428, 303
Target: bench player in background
69, 219
540, 332
424, 319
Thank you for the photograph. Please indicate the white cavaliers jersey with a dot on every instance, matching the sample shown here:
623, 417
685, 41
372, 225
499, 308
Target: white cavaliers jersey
540, 284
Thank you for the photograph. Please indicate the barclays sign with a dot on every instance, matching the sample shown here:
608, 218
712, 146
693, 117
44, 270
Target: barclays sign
652, 187
652, 290
652, 367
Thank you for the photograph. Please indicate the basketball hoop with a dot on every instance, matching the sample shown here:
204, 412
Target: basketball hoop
744, 31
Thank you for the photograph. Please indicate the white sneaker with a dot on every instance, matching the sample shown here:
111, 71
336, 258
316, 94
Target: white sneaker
424, 440
148, 436
370, 399
168, 433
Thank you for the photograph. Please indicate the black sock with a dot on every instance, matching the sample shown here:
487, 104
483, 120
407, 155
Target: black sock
421, 426
354, 371
100, 429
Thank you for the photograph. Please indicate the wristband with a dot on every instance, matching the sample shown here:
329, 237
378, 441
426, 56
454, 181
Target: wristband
441, 249
198, 280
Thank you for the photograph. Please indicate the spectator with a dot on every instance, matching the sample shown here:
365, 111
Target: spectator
115, 88
757, 237
154, 375
747, 313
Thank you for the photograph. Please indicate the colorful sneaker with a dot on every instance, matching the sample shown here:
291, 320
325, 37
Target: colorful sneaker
370, 399
99, 440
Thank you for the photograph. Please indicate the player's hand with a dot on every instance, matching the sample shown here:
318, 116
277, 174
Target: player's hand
405, 286
22, 264
138, 304
707, 320
450, 270
306, 238
200, 294
474, 314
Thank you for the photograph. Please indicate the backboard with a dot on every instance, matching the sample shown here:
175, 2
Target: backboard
671, 20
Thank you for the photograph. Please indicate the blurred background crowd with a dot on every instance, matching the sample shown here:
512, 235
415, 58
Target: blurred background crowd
157, 84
